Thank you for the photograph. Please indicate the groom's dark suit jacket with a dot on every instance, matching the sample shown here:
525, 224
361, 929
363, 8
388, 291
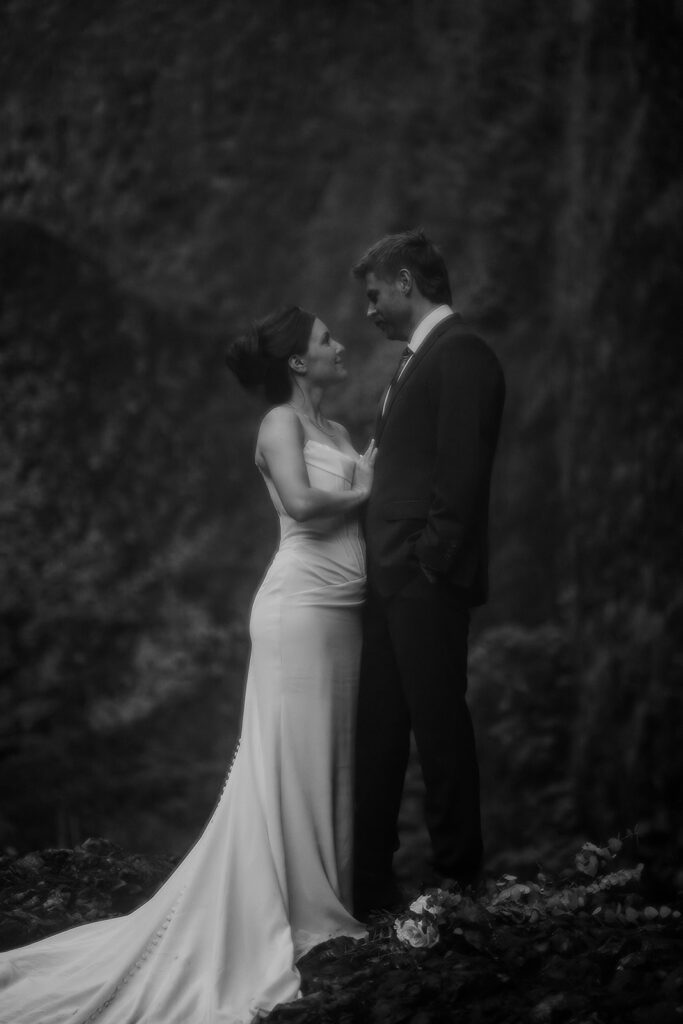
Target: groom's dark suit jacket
436, 440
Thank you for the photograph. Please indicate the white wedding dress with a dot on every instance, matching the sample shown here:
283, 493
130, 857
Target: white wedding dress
270, 877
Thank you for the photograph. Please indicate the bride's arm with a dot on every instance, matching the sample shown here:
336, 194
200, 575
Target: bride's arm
280, 447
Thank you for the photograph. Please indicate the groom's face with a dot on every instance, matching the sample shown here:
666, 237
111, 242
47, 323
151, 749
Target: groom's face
388, 307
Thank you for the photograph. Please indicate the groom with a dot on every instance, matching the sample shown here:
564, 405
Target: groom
426, 534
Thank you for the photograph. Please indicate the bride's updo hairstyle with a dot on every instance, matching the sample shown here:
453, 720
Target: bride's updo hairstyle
259, 358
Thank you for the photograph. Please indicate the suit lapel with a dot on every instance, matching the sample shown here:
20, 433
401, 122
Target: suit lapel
378, 416
410, 368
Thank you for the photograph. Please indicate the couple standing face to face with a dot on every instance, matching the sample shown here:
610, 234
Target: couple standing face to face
425, 525
395, 307
405, 278
390, 308
273, 871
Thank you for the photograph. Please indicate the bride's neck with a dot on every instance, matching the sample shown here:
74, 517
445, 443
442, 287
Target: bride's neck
307, 401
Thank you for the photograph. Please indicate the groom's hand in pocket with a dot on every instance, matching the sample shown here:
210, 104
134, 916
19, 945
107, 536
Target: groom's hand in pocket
429, 573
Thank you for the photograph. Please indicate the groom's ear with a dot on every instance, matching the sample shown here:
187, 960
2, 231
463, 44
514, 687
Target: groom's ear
404, 281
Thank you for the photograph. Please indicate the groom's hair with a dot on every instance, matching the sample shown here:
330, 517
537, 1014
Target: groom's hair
414, 251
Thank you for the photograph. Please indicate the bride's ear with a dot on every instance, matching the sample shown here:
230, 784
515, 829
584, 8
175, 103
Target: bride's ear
297, 364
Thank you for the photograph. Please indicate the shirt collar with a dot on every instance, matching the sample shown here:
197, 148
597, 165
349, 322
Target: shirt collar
427, 324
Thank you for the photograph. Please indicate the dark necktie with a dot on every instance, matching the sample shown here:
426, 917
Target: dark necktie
405, 356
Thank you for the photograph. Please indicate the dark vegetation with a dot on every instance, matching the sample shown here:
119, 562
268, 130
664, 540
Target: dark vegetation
581, 946
588, 943
168, 170
45, 892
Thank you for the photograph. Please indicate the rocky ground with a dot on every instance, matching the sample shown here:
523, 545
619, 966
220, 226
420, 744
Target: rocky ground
587, 945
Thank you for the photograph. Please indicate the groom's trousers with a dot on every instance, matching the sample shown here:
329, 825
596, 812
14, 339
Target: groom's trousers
414, 676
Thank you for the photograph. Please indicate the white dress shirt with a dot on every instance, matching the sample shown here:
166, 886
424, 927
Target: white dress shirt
425, 326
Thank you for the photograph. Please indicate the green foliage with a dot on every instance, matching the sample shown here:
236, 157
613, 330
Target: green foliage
169, 171
524, 698
624, 428
107, 528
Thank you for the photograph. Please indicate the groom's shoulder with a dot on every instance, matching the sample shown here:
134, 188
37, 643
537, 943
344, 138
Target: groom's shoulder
459, 339
457, 326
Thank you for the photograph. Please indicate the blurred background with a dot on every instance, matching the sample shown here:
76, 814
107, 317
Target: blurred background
168, 170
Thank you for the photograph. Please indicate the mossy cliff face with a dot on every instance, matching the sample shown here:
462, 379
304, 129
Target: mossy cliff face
168, 170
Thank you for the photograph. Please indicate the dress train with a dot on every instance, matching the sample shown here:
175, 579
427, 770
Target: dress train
270, 876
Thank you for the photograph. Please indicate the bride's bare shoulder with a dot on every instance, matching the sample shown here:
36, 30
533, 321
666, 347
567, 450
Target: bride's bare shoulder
280, 417
279, 424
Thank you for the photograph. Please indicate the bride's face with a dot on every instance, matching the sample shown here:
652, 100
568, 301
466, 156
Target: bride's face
324, 357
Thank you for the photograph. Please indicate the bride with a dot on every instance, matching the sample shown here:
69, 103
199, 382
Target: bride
270, 877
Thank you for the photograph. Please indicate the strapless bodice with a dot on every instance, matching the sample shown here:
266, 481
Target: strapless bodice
329, 469
324, 551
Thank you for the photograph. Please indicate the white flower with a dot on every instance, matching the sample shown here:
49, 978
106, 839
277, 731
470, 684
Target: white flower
435, 903
421, 904
513, 893
586, 860
418, 934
